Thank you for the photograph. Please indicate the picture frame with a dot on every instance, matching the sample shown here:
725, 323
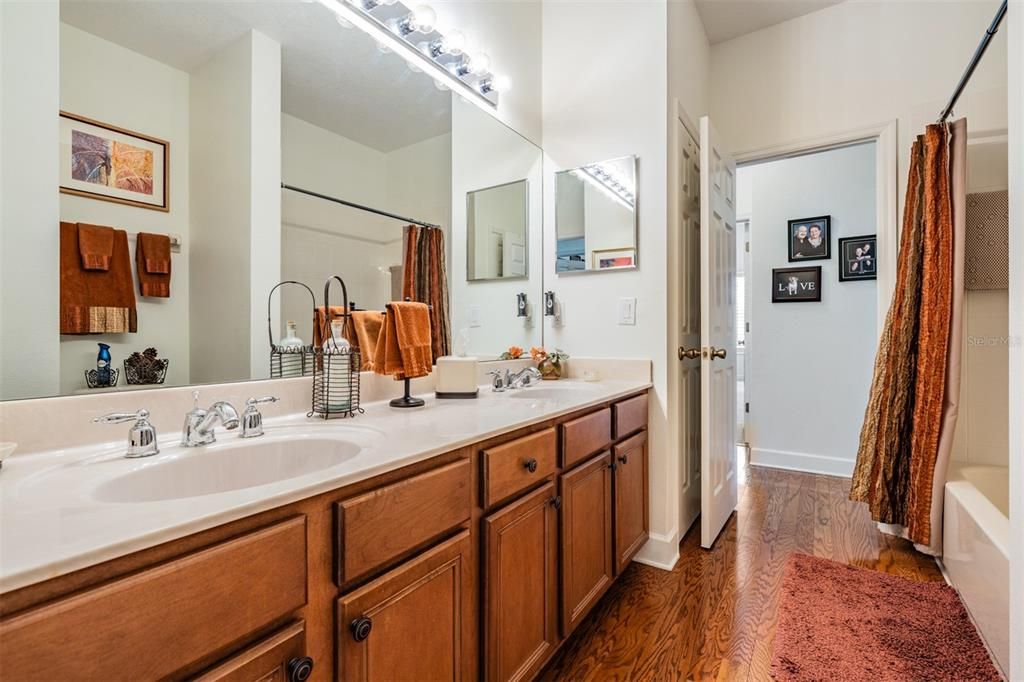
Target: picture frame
102, 161
858, 258
802, 245
613, 259
796, 285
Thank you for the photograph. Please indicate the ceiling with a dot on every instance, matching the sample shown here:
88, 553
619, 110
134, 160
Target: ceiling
332, 77
726, 19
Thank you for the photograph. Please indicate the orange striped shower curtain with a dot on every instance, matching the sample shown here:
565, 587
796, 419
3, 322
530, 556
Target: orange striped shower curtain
907, 436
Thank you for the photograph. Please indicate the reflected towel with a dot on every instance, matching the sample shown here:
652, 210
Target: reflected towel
96, 246
95, 301
153, 264
322, 324
367, 325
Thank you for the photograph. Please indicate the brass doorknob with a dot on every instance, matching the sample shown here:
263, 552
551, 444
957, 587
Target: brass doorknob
718, 353
689, 353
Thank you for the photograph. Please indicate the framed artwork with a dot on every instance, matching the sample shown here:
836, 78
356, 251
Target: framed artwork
101, 161
810, 238
610, 259
796, 285
858, 258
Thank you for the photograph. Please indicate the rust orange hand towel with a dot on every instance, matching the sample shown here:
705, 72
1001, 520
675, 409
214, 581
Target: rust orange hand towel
412, 331
153, 264
367, 325
387, 359
96, 246
95, 301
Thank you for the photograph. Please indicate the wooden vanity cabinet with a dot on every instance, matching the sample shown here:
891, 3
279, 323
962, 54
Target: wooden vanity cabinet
280, 657
412, 623
587, 509
631, 498
520, 613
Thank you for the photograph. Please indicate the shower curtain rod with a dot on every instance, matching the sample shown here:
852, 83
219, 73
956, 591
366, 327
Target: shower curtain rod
358, 206
969, 71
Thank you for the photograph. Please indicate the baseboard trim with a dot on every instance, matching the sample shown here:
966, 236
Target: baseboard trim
801, 461
660, 551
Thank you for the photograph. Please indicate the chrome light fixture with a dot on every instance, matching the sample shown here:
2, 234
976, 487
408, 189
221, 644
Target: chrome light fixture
413, 35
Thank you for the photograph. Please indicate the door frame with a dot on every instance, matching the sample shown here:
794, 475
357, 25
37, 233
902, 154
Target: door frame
884, 135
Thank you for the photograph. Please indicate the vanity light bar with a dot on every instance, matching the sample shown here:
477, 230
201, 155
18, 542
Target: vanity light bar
605, 181
476, 84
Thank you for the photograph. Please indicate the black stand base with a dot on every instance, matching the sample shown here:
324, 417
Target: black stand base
407, 400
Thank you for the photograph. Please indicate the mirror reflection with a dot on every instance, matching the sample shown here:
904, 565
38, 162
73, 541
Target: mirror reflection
204, 147
497, 223
595, 217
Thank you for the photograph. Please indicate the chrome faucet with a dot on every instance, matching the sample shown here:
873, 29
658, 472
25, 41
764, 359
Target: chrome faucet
524, 377
199, 423
252, 420
142, 435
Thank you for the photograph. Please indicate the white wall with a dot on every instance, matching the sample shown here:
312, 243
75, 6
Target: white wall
810, 363
486, 153
234, 198
607, 92
29, 213
152, 98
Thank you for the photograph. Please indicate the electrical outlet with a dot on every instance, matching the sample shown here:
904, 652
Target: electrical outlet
627, 310
474, 315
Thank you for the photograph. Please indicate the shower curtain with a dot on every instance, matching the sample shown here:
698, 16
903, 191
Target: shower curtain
425, 279
907, 435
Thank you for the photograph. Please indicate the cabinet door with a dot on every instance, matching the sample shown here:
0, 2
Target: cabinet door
281, 657
412, 623
521, 586
586, 538
631, 495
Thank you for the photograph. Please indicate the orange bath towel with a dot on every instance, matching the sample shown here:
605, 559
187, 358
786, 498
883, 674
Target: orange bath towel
403, 349
96, 246
367, 325
322, 324
95, 301
153, 264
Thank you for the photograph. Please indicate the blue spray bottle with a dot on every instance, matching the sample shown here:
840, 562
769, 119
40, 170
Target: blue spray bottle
103, 365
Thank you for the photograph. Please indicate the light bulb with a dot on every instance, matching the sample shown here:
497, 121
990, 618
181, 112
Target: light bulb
453, 43
423, 19
501, 84
479, 63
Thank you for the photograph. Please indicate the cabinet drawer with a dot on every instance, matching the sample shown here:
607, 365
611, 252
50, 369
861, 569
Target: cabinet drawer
165, 619
384, 525
518, 464
281, 657
630, 415
414, 622
585, 436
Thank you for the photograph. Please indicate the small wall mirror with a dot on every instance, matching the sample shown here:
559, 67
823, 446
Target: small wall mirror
595, 217
498, 226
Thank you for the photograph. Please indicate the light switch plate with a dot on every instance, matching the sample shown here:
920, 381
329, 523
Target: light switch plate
474, 315
627, 310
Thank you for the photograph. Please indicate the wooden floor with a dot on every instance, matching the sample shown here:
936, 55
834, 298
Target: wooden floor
713, 617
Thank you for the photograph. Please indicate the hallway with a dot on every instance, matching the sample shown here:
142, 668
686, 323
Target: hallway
713, 616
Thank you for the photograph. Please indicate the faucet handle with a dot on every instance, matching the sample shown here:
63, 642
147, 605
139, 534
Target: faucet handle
142, 435
252, 420
498, 380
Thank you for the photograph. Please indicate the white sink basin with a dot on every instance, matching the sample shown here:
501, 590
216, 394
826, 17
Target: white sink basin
549, 392
224, 467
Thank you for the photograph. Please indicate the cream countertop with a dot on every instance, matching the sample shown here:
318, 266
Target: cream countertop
52, 521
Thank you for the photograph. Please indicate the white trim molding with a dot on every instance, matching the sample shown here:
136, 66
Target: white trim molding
660, 551
801, 461
887, 223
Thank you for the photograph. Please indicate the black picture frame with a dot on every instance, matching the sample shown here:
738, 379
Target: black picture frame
783, 279
854, 267
799, 253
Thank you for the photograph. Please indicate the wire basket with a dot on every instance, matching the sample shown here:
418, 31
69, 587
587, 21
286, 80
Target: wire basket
92, 378
146, 373
336, 369
289, 361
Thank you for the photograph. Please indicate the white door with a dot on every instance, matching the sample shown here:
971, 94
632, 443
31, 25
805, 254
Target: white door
687, 157
719, 477
513, 255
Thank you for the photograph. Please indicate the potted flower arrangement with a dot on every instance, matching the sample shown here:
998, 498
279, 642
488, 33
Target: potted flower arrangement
550, 365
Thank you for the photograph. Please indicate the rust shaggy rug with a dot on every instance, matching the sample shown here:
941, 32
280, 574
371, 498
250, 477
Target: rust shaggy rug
837, 622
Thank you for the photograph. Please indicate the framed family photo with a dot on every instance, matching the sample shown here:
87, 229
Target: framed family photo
810, 238
796, 285
858, 258
104, 162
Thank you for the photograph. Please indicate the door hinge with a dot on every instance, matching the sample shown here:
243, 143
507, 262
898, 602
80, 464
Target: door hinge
746, 327
746, 247
746, 407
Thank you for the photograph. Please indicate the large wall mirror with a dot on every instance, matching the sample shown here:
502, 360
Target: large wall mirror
595, 217
237, 125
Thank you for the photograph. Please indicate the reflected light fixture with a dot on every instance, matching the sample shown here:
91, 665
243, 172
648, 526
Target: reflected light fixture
414, 37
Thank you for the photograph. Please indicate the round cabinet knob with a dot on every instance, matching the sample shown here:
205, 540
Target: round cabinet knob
622, 458
300, 668
531, 465
718, 353
556, 501
361, 628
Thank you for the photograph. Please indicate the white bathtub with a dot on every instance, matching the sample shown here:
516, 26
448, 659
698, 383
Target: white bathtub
976, 548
